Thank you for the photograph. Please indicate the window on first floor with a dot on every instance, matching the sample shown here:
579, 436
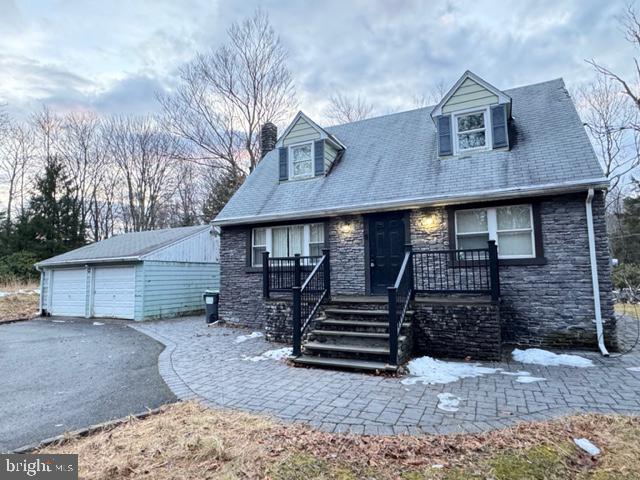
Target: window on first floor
287, 241
510, 226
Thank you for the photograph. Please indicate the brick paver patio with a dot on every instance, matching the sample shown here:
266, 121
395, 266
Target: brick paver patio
206, 363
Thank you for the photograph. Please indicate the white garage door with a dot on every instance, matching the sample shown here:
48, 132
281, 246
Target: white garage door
114, 292
68, 292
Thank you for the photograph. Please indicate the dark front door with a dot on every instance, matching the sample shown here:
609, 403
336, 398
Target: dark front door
386, 249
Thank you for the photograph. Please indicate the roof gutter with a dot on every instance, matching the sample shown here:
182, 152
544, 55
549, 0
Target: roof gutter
540, 190
87, 261
594, 273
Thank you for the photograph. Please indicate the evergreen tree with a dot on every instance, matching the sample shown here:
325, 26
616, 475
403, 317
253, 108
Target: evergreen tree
52, 224
220, 190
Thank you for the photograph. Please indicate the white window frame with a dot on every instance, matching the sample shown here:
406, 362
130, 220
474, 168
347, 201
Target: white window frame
492, 227
488, 139
290, 148
257, 262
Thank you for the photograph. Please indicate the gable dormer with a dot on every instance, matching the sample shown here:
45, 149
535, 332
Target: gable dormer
306, 150
472, 116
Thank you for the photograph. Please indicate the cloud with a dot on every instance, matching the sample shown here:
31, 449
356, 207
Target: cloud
113, 56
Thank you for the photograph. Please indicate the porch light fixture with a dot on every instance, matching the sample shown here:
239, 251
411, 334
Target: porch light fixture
427, 222
346, 228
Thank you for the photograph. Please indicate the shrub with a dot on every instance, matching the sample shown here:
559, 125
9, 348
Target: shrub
18, 266
626, 275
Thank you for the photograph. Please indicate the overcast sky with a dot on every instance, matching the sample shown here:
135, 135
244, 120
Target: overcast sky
113, 56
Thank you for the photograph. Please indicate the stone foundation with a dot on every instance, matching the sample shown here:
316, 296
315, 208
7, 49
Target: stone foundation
457, 329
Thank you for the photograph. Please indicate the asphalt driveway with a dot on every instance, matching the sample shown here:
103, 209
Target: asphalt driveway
62, 374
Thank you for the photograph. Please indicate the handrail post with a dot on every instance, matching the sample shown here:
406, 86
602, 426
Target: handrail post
408, 248
297, 322
265, 274
327, 271
493, 270
297, 275
393, 326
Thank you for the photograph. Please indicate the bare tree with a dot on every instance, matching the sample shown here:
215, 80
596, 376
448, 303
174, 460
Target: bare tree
344, 109
226, 95
432, 95
16, 154
83, 152
145, 158
607, 114
47, 126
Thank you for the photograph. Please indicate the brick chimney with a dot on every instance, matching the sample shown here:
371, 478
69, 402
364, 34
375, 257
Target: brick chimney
268, 138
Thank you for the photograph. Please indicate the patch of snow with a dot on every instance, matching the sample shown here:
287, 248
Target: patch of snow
244, 338
448, 402
4, 294
587, 446
59, 321
528, 379
98, 323
538, 356
430, 371
277, 354
519, 373
437, 465
634, 369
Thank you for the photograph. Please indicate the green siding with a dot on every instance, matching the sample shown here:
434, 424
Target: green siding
301, 132
174, 288
139, 299
329, 156
469, 95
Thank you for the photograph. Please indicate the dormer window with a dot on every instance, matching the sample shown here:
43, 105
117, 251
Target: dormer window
301, 156
471, 133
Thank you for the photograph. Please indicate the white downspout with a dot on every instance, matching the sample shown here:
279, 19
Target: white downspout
594, 274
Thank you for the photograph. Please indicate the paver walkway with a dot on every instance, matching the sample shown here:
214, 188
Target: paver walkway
206, 363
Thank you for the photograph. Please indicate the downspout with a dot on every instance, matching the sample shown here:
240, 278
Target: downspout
594, 274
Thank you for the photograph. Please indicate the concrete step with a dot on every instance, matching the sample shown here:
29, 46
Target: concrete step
347, 348
358, 312
351, 364
358, 323
349, 333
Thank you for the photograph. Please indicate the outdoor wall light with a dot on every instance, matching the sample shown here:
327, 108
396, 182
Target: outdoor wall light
346, 228
428, 222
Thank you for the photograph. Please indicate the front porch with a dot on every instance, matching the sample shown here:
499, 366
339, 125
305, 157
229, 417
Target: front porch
440, 303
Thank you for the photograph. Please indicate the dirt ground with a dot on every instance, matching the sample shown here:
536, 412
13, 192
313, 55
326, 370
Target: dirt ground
187, 441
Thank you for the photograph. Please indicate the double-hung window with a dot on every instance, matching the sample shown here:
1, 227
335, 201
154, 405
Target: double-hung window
510, 226
301, 160
287, 241
471, 131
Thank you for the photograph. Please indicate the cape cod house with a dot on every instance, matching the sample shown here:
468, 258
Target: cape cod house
449, 231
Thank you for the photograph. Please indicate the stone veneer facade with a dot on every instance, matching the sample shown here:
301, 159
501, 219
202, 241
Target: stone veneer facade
549, 304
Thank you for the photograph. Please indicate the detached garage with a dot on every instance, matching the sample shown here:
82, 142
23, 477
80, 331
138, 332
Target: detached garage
136, 276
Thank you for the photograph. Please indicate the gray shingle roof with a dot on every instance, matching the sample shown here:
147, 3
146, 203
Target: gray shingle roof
128, 246
392, 161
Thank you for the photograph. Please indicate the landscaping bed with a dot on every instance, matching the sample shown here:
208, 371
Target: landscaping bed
187, 440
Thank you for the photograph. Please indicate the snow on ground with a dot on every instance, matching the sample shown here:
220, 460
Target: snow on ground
20, 292
633, 369
244, 338
277, 354
98, 323
587, 446
430, 371
538, 356
448, 402
519, 373
528, 379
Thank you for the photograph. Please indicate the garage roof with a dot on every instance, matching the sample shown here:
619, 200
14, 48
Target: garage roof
128, 247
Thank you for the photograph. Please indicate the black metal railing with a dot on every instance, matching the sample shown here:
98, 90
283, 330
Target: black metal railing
400, 296
281, 274
308, 297
465, 271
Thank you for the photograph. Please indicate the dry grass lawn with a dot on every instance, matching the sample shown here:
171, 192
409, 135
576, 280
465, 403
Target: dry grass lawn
630, 309
18, 306
188, 441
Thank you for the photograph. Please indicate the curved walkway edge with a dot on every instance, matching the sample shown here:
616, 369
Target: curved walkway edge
211, 365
